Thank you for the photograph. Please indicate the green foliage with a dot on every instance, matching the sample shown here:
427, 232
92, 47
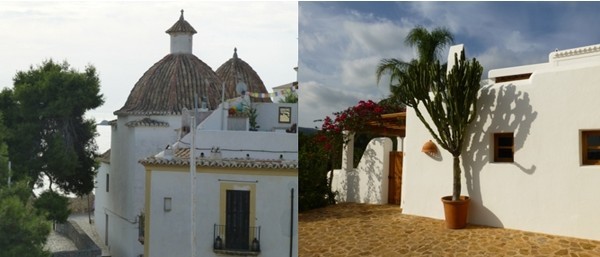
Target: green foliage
48, 133
428, 44
314, 185
53, 205
3, 152
252, 115
23, 232
289, 97
449, 99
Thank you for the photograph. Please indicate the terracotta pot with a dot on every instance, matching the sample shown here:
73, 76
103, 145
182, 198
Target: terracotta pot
456, 212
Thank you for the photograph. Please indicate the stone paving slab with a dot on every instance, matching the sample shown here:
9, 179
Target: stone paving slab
353, 230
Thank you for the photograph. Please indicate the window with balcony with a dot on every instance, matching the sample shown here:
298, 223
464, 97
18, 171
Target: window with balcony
237, 235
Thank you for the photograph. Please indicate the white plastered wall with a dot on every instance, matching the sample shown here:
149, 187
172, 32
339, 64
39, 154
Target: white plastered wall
368, 183
125, 199
545, 189
170, 231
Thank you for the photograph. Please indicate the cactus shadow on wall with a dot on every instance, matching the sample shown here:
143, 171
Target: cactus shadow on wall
500, 109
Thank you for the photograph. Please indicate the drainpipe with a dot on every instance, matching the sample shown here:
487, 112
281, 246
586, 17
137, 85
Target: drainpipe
292, 224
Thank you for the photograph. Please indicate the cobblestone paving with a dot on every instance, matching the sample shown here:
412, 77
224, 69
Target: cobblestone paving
353, 230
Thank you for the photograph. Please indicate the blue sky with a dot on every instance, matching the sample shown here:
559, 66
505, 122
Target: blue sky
123, 39
341, 43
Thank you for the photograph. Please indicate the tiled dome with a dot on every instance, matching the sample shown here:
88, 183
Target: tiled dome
169, 86
236, 68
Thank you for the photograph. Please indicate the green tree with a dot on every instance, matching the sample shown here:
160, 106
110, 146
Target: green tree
3, 152
449, 99
428, 45
23, 231
53, 205
314, 163
48, 133
289, 97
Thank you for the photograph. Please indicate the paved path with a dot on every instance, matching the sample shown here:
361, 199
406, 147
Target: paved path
82, 220
349, 230
58, 243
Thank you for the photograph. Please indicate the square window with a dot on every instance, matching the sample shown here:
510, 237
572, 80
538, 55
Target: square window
590, 147
285, 114
504, 147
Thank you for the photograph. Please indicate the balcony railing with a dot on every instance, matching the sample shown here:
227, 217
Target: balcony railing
236, 240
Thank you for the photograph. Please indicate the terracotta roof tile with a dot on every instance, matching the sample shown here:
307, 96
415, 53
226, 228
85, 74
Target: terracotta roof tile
181, 26
170, 84
105, 157
147, 122
223, 163
181, 157
234, 67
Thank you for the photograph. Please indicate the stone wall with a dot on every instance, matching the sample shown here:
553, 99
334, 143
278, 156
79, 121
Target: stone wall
86, 246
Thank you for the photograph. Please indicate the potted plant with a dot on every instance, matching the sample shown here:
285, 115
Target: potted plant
450, 100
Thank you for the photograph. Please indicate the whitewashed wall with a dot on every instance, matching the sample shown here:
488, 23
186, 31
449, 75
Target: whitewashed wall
268, 116
368, 183
101, 200
546, 189
170, 231
125, 199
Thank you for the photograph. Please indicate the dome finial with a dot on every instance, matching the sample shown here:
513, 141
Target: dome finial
235, 53
181, 17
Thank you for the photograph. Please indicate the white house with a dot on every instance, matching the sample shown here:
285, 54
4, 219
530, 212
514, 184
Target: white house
245, 195
157, 114
532, 161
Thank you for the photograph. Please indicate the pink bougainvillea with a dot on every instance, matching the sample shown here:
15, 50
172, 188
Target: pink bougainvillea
355, 118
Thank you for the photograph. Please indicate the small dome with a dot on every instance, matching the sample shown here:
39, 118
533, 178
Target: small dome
236, 70
169, 86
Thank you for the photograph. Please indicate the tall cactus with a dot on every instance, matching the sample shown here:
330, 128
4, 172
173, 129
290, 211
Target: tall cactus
449, 99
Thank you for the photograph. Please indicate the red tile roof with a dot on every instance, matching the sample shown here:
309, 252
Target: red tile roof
236, 67
170, 84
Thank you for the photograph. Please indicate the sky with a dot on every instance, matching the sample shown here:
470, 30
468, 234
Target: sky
341, 43
123, 39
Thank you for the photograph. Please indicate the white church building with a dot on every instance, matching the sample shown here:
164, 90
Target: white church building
237, 154
531, 161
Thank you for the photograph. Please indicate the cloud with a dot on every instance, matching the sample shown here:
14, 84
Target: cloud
342, 42
123, 39
339, 52
318, 101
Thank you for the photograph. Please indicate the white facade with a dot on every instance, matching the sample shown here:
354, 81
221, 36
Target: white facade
117, 211
126, 190
546, 188
261, 162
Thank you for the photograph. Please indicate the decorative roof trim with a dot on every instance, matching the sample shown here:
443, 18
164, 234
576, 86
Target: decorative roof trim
223, 163
575, 51
105, 157
147, 122
181, 26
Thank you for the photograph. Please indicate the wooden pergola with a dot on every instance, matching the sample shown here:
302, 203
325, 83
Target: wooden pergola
391, 124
